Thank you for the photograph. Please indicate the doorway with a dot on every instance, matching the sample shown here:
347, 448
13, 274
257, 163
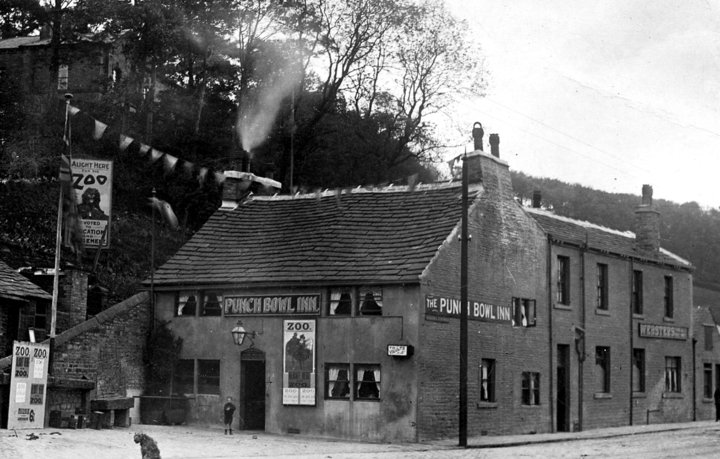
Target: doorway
252, 389
562, 407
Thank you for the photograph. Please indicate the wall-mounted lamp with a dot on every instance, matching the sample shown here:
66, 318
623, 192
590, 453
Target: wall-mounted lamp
239, 333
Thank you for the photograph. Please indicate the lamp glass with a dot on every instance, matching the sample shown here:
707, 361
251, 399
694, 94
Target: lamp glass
238, 333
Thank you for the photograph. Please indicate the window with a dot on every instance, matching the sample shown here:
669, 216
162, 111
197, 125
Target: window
672, 374
668, 299
63, 79
637, 292
638, 382
184, 377
601, 300
602, 361
212, 304
340, 302
487, 380
707, 380
563, 280
708, 329
337, 381
530, 388
41, 316
367, 382
208, 376
523, 312
186, 304
371, 301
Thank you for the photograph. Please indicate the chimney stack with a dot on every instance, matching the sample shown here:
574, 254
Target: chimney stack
536, 199
647, 223
234, 189
477, 134
495, 145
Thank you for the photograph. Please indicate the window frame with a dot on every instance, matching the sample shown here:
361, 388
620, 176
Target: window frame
707, 380
40, 321
363, 297
529, 307
206, 379
358, 381
340, 291
673, 366
180, 378
177, 305
637, 292
601, 301
329, 381
562, 286
708, 337
602, 360
203, 306
530, 388
669, 298
638, 369
486, 376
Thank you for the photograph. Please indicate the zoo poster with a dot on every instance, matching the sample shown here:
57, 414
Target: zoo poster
299, 339
92, 180
28, 384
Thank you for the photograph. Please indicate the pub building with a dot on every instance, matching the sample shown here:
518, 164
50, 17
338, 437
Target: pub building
337, 314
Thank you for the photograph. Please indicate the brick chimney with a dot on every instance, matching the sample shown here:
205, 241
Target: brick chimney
477, 134
234, 189
647, 223
536, 199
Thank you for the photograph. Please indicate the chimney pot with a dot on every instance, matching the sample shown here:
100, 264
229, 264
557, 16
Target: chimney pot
536, 199
477, 134
647, 195
647, 223
495, 145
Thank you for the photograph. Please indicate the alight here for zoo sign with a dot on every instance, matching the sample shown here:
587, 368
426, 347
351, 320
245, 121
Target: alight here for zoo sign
476, 310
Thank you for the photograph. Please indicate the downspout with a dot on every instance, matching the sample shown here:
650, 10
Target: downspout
581, 359
694, 373
553, 427
632, 342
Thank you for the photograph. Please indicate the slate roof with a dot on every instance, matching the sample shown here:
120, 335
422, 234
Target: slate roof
16, 287
369, 236
600, 238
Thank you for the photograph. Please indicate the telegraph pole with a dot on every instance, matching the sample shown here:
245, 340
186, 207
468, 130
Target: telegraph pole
462, 423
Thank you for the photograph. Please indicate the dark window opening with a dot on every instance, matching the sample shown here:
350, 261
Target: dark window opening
563, 280
184, 377
530, 388
523, 312
707, 380
487, 380
208, 376
637, 292
212, 304
602, 360
186, 304
601, 301
708, 329
371, 302
340, 303
638, 370
668, 298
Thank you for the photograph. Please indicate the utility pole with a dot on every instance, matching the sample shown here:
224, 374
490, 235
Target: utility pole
462, 423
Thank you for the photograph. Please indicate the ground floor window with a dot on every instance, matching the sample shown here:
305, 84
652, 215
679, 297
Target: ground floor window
344, 381
487, 380
638, 375
184, 377
208, 377
672, 374
707, 380
206, 372
530, 388
602, 361
367, 382
337, 380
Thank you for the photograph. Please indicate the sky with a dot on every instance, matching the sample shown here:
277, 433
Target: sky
611, 94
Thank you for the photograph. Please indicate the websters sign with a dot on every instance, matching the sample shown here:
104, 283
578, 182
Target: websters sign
476, 310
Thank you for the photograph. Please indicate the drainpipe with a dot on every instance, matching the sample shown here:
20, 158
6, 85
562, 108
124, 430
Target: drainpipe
553, 427
632, 344
694, 373
581, 384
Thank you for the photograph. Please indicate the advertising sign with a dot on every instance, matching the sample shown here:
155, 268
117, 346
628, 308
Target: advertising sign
28, 385
92, 180
476, 310
662, 331
299, 362
242, 305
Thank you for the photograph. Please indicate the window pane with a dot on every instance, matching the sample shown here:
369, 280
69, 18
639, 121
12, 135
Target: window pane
337, 380
672, 374
707, 380
340, 303
208, 376
669, 307
186, 304
371, 301
563, 280
638, 370
367, 382
487, 380
708, 337
184, 377
212, 304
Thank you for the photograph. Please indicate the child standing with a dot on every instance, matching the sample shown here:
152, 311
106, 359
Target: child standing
228, 412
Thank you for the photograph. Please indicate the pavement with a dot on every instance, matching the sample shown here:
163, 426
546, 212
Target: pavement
209, 442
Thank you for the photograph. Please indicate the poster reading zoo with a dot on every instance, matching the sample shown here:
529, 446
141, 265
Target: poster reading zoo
299, 362
92, 180
28, 385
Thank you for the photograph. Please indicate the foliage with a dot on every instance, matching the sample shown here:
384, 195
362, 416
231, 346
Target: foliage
162, 352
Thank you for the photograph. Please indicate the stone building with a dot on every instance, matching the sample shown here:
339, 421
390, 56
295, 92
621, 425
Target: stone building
350, 301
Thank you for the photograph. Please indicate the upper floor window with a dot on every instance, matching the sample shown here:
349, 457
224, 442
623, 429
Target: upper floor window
672, 374
340, 302
523, 312
212, 304
602, 360
668, 298
363, 301
487, 380
563, 280
601, 298
637, 292
186, 303
370, 301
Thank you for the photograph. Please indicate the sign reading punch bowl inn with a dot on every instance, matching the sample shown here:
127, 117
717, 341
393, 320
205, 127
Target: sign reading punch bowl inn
278, 305
450, 307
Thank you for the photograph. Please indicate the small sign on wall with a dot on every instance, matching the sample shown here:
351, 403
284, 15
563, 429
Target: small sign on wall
400, 350
299, 362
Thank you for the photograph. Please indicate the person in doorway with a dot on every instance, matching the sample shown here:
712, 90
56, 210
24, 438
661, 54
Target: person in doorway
228, 412
716, 396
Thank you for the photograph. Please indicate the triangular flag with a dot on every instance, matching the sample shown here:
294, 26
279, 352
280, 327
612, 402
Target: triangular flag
188, 167
169, 162
99, 130
155, 155
202, 174
73, 110
144, 149
125, 142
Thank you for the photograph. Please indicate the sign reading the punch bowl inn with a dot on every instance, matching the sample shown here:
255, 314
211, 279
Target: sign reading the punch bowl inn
450, 307
299, 339
276, 305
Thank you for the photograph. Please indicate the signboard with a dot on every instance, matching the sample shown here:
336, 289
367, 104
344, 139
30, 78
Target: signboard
399, 350
299, 362
92, 180
278, 305
28, 385
450, 307
662, 332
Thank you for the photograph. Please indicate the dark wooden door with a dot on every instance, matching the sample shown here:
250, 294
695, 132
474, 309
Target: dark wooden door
252, 394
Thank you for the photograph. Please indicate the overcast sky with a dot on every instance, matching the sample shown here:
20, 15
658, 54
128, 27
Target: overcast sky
611, 94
